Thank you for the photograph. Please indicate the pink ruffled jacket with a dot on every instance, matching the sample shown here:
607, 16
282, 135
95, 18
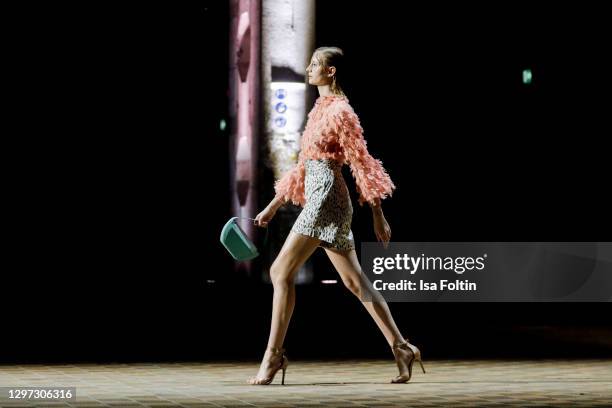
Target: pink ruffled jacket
333, 132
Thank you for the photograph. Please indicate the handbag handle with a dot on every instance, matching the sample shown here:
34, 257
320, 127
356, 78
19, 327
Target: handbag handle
267, 229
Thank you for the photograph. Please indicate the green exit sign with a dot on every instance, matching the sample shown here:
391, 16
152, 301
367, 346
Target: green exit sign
527, 76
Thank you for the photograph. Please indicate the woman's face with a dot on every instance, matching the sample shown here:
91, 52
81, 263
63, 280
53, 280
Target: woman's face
317, 75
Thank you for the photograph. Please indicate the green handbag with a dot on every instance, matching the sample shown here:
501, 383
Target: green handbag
236, 241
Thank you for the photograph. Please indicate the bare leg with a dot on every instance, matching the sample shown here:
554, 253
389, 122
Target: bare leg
295, 251
347, 265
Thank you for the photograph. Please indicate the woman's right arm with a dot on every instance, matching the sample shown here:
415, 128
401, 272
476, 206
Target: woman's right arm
287, 188
276, 203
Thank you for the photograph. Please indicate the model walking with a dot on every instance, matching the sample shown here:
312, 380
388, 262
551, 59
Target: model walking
333, 137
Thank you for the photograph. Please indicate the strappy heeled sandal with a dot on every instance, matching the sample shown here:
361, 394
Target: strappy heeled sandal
283, 365
416, 356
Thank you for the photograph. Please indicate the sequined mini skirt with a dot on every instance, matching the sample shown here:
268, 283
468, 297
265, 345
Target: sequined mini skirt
328, 212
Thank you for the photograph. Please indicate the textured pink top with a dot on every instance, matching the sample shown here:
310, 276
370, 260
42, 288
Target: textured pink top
333, 132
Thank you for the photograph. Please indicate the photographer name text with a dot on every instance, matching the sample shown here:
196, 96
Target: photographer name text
441, 285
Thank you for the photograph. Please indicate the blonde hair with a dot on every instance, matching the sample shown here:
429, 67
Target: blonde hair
332, 57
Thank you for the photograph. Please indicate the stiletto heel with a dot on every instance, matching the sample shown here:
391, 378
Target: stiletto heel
416, 356
421, 363
283, 365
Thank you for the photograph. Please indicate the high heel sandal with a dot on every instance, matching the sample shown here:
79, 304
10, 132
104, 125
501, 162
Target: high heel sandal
416, 356
283, 365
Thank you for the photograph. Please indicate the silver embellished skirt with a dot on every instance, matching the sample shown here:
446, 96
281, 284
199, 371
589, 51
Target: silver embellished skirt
328, 212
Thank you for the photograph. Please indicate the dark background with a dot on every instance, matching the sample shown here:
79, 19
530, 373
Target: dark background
123, 178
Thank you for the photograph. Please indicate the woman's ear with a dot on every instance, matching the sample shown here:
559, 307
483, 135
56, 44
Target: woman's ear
331, 71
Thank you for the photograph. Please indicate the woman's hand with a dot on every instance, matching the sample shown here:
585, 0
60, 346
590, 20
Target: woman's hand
381, 228
263, 218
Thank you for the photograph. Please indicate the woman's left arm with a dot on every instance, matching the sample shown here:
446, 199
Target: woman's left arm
372, 180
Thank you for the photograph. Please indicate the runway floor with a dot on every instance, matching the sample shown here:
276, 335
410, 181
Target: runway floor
349, 383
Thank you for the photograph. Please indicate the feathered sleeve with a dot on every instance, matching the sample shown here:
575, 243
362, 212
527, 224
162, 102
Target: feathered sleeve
370, 176
290, 187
